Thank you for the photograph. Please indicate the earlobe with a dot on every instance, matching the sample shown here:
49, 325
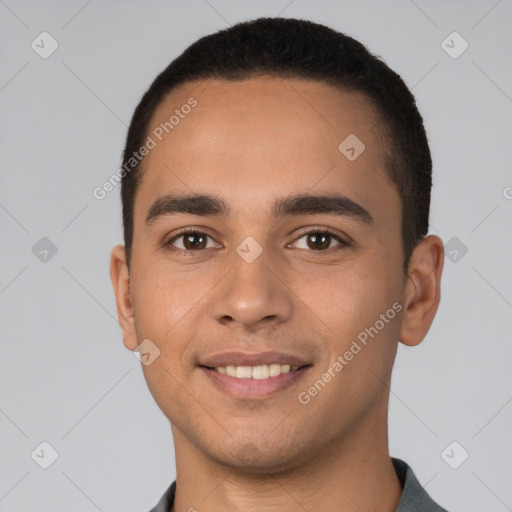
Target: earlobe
121, 283
422, 291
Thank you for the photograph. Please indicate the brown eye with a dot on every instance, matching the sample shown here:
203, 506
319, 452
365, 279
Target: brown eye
194, 241
191, 240
321, 240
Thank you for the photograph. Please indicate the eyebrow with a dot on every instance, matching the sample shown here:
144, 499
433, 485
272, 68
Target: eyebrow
300, 204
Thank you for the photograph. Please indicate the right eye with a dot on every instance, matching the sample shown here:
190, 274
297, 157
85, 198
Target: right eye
192, 241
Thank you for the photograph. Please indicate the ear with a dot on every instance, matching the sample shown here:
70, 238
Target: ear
121, 282
422, 290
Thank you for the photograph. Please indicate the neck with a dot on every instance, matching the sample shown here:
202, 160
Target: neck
353, 474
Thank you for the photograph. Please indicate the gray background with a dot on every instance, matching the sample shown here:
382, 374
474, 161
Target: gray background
65, 376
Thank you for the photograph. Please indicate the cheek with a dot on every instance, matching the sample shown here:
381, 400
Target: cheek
169, 308
354, 304
163, 307
163, 299
346, 297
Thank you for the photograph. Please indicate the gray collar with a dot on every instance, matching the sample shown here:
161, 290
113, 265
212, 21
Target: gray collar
414, 497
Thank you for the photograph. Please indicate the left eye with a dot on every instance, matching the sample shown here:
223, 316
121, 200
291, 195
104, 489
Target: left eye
320, 240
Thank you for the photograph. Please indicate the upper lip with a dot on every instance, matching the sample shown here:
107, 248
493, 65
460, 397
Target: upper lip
251, 359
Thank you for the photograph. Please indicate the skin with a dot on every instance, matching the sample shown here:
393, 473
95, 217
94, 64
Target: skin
251, 142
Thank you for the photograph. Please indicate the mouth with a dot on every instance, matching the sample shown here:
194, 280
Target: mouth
254, 376
260, 372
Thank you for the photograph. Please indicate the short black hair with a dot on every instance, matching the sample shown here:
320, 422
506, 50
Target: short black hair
301, 49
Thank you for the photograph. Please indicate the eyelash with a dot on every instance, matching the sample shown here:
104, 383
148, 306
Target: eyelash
194, 231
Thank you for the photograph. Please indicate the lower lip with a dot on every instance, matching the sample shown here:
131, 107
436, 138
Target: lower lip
254, 388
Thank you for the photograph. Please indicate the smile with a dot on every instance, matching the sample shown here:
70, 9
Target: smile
254, 382
265, 371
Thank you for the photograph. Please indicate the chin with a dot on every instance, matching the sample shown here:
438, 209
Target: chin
247, 458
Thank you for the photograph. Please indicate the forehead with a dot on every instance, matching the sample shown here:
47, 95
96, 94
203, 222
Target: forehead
251, 139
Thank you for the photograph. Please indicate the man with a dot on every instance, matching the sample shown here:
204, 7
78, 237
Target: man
276, 193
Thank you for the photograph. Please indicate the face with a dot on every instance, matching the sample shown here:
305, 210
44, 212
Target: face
302, 284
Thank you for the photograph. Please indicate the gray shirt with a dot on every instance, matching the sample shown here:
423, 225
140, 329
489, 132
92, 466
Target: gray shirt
414, 497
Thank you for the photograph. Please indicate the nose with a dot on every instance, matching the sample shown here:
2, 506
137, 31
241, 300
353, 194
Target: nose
253, 295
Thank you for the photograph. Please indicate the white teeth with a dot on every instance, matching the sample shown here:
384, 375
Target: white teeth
275, 370
255, 372
243, 372
261, 372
